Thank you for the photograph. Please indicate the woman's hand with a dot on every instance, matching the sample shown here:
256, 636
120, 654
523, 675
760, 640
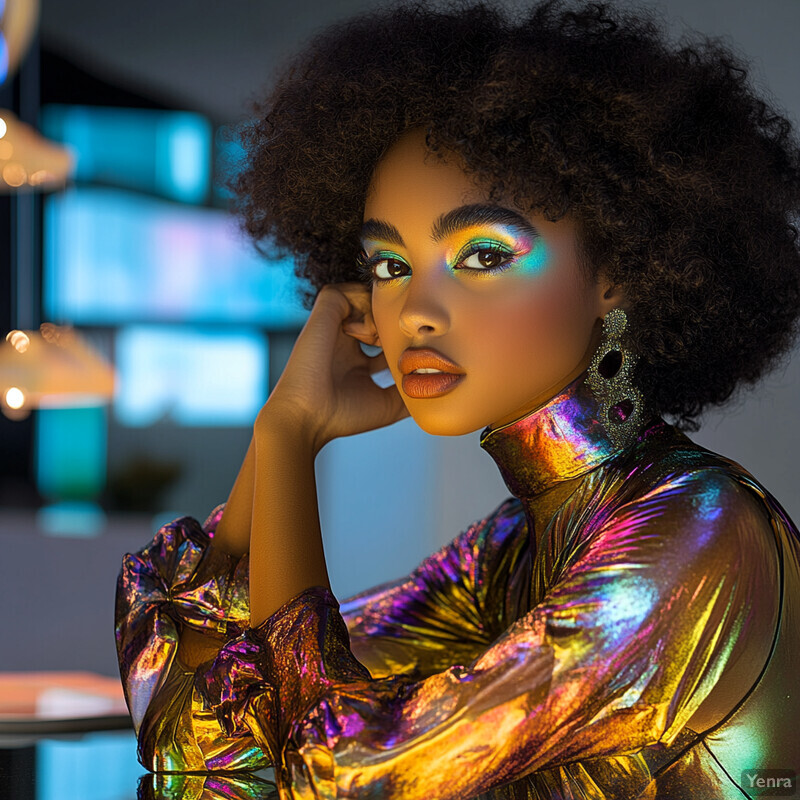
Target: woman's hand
326, 387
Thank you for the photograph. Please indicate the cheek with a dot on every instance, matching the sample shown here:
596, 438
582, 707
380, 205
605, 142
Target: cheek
385, 318
529, 327
380, 317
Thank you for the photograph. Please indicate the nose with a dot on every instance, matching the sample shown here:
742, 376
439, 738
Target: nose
424, 309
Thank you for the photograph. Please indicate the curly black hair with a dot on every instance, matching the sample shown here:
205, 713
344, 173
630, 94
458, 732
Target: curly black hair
683, 180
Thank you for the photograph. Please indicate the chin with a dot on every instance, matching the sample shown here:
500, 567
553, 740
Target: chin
444, 423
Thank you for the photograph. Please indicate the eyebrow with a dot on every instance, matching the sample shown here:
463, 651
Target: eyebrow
452, 221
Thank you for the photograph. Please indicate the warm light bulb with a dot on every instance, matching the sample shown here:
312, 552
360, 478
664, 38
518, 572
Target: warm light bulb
14, 174
52, 333
40, 176
15, 398
19, 340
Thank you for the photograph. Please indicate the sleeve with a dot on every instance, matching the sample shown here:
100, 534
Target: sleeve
451, 607
619, 654
188, 719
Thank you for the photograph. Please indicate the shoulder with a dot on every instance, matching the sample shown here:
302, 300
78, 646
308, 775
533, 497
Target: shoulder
672, 475
491, 548
505, 526
703, 512
691, 550
506, 521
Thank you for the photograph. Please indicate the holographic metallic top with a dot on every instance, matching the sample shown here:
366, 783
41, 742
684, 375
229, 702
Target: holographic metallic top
638, 640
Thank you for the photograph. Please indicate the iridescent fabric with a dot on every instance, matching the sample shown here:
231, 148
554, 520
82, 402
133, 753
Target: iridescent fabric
635, 639
208, 786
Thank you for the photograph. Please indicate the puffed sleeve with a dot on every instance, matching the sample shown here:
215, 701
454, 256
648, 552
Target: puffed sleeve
189, 719
450, 607
619, 654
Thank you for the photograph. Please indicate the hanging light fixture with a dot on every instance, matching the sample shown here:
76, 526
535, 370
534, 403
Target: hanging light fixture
51, 367
27, 159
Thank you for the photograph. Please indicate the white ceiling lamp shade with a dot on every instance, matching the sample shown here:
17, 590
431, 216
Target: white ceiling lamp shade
27, 159
51, 367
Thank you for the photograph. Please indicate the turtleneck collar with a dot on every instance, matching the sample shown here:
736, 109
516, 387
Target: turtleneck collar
560, 440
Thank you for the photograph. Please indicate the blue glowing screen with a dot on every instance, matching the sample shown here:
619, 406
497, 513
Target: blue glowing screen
113, 257
166, 153
191, 376
3, 57
95, 766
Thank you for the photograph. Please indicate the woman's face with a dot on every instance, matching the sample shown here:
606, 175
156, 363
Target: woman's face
497, 292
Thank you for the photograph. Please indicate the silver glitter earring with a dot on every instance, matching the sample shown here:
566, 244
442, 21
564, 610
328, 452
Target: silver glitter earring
610, 379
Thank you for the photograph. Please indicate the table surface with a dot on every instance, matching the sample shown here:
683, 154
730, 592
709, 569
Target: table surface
104, 765
61, 702
71, 732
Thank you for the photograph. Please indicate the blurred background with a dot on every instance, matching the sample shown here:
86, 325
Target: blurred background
156, 332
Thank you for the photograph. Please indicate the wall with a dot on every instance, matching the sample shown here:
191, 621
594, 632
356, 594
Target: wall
388, 498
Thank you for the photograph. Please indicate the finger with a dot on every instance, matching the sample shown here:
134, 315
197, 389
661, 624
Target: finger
362, 331
359, 296
331, 299
377, 363
330, 308
351, 305
360, 292
360, 323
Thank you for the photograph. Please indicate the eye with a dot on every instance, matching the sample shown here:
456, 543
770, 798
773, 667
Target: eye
485, 257
386, 269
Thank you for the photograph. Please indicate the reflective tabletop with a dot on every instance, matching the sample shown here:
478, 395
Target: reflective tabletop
103, 766
68, 736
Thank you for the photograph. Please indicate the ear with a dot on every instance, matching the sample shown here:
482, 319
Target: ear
609, 296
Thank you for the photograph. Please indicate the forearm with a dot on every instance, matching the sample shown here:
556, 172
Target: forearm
232, 535
233, 530
286, 552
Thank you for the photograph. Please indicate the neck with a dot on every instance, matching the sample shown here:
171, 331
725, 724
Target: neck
561, 440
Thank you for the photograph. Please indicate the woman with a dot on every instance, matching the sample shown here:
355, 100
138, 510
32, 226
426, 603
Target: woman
558, 229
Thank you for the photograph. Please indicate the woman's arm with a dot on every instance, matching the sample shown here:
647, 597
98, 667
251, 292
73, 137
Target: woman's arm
325, 391
233, 529
286, 552
179, 589
288, 555
231, 536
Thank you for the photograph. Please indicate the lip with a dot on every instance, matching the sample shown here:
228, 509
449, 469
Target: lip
431, 384
426, 358
428, 384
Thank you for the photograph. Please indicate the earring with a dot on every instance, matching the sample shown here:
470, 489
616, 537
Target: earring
609, 377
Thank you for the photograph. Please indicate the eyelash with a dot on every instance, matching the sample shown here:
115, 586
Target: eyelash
366, 265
